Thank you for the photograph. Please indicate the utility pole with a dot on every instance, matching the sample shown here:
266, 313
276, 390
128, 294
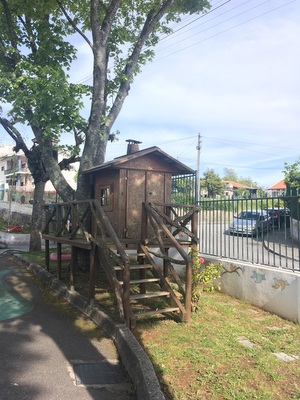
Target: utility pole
197, 197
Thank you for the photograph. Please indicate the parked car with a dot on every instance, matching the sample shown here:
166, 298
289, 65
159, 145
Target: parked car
280, 217
251, 222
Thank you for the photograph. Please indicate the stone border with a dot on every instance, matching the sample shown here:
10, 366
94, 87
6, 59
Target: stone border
135, 360
10, 238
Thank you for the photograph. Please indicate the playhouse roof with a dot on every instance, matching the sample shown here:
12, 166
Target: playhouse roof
120, 162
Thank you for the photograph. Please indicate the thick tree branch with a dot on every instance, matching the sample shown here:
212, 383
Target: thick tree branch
153, 18
15, 135
65, 163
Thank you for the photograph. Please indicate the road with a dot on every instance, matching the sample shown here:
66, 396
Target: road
274, 248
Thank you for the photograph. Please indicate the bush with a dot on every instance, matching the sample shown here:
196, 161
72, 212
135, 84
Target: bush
204, 277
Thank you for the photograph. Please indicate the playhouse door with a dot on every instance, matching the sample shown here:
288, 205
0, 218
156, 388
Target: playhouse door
141, 186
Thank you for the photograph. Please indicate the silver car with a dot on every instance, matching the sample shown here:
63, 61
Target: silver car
251, 222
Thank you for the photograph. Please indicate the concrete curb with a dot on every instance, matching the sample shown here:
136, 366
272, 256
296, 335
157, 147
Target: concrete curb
135, 360
14, 238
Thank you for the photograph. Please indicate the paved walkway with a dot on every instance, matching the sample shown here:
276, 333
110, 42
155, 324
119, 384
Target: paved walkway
43, 356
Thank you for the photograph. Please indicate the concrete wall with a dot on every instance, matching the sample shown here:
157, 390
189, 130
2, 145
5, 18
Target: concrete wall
274, 290
15, 217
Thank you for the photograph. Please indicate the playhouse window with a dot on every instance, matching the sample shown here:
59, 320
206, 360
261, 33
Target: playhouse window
106, 197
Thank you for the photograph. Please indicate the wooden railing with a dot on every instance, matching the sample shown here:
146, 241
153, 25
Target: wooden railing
84, 224
166, 226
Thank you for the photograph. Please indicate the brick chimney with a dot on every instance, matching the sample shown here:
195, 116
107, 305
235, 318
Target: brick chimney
133, 146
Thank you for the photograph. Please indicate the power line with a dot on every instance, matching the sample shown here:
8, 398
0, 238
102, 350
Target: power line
225, 30
231, 166
251, 143
173, 34
194, 20
83, 80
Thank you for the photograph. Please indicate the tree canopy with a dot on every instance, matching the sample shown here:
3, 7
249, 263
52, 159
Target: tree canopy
37, 49
230, 175
292, 176
213, 183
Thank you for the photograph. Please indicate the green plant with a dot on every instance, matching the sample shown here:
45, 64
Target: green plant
204, 277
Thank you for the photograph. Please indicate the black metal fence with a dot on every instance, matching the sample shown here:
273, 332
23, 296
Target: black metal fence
184, 189
273, 239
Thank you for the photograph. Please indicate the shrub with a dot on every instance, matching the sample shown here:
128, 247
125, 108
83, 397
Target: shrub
204, 277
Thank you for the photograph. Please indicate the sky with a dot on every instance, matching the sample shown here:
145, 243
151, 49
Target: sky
230, 76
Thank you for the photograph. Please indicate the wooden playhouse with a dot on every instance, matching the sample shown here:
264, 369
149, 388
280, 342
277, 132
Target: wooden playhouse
125, 183
131, 208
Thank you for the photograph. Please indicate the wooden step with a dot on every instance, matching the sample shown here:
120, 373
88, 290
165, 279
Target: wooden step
148, 295
136, 281
154, 312
133, 267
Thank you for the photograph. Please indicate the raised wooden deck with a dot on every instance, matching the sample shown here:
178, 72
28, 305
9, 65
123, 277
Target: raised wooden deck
91, 231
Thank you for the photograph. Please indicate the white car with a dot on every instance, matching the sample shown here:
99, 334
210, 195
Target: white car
251, 222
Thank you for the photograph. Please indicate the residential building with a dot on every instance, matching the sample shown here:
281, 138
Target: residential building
231, 188
15, 178
278, 189
16, 182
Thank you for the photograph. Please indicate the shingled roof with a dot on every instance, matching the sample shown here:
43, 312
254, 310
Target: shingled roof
119, 162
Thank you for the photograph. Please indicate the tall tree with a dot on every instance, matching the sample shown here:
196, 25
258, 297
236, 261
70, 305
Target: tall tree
292, 176
230, 175
213, 183
36, 53
34, 86
292, 181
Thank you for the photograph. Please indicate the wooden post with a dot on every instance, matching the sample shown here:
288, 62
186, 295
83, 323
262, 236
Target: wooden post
165, 264
126, 294
72, 267
58, 260
188, 291
144, 227
92, 274
47, 255
194, 224
189, 267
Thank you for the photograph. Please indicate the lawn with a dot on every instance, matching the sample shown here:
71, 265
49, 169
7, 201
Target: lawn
229, 350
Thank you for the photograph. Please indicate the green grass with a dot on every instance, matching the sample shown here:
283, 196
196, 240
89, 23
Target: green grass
204, 359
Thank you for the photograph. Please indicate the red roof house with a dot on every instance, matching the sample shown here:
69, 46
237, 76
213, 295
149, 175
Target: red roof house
278, 189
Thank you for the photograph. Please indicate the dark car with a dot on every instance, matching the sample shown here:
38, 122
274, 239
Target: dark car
280, 217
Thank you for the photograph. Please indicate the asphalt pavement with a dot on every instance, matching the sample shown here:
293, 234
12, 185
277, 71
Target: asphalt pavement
43, 356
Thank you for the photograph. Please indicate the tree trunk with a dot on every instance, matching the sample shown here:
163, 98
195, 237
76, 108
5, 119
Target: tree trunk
37, 217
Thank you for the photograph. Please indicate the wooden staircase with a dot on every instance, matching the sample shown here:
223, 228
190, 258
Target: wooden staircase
150, 292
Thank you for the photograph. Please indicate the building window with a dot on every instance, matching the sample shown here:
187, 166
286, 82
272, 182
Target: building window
106, 197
